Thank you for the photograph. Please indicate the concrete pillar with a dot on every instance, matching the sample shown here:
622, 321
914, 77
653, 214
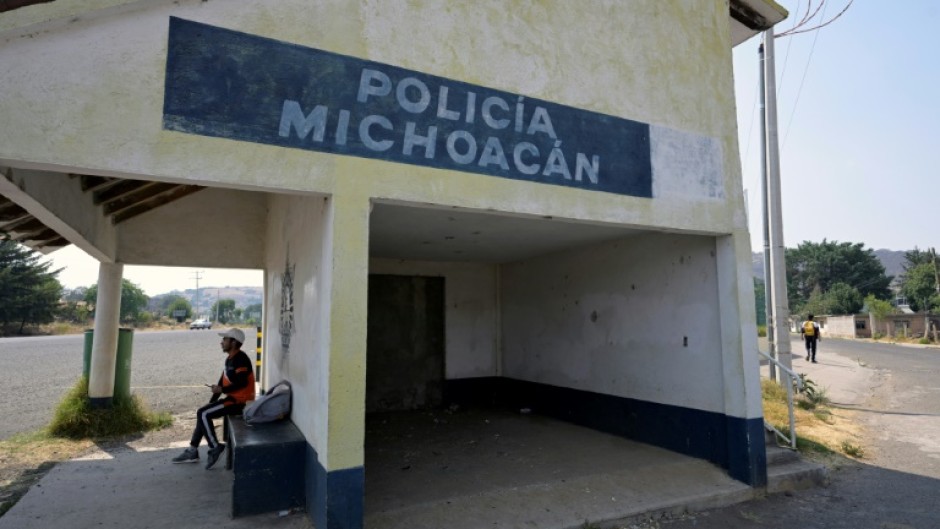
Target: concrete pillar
747, 455
338, 500
104, 345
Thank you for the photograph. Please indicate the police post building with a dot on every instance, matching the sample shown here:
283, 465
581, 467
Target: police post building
522, 204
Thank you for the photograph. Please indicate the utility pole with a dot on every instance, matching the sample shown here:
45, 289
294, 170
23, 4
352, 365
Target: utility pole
774, 212
217, 305
198, 277
768, 294
936, 284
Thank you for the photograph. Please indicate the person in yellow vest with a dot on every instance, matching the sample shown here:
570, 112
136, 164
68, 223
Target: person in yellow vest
811, 334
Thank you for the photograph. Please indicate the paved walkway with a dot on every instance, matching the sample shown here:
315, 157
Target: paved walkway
539, 473
847, 381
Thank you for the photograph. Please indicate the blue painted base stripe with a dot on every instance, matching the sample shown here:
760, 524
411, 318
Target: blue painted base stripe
100, 403
334, 499
733, 443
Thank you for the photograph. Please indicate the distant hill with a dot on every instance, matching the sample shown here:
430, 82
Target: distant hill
893, 261
243, 296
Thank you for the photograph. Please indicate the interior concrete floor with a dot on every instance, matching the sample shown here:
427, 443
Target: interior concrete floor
498, 468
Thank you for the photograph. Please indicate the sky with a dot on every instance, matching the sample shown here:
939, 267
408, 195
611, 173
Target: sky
859, 128
859, 125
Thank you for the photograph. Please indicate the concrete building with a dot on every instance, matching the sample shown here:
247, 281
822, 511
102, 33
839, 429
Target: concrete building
451, 201
895, 325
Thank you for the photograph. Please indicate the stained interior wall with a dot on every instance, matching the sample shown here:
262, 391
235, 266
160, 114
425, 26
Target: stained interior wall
634, 318
470, 332
405, 344
297, 277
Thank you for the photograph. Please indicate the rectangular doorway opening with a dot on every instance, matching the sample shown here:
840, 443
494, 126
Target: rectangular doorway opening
405, 343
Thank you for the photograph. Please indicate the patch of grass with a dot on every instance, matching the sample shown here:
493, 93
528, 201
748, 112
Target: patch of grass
852, 450
807, 444
75, 418
820, 430
924, 341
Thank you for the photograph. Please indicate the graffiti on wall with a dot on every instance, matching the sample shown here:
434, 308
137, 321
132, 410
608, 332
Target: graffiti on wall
228, 84
286, 319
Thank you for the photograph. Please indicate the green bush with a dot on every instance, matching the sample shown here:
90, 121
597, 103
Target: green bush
924, 341
75, 419
877, 336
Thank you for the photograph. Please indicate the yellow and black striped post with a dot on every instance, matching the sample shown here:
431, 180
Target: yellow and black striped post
258, 357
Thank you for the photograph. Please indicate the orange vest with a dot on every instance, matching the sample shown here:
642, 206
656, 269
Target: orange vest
246, 393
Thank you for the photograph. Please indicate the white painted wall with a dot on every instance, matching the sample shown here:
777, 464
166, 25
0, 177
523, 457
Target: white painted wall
58, 202
470, 313
296, 234
213, 227
611, 319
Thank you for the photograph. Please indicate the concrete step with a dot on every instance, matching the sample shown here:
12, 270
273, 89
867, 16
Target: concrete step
795, 475
778, 455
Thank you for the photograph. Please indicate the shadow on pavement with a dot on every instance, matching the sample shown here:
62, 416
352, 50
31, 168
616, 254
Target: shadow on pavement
133, 489
860, 496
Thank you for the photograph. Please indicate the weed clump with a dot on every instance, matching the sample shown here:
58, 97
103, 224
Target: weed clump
75, 418
852, 450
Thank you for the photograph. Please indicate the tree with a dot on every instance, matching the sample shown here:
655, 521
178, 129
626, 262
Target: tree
176, 303
844, 299
760, 301
225, 308
878, 309
30, 292
253, 314
133, 300
919, 286
819, 266
916, 257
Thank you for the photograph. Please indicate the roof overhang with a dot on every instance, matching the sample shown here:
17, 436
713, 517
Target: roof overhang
750, 17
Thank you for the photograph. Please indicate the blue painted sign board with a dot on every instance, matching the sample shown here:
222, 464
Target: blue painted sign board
229, 84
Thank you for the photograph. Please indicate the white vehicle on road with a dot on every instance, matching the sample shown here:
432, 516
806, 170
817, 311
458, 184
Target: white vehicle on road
201, 323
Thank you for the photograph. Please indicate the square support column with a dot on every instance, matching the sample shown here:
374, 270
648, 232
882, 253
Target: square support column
747, 454
335, 493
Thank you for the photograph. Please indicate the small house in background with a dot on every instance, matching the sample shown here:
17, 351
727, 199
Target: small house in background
913, 325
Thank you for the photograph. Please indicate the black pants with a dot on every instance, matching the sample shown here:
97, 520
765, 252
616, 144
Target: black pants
204, 425
810, 347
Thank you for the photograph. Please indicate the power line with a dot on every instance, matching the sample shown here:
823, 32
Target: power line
803, 80
796, 31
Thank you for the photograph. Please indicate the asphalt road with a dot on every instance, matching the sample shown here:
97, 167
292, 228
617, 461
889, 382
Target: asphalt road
897, 484
168, 371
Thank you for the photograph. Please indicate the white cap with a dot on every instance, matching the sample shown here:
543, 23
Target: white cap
235, 334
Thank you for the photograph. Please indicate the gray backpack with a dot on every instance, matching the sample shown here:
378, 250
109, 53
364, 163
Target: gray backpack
272, 406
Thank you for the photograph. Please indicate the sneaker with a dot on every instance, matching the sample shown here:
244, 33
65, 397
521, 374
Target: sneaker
213, 455
807, 358
190, 455
814, 362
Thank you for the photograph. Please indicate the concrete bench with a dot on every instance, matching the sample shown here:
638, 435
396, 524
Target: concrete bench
268, 466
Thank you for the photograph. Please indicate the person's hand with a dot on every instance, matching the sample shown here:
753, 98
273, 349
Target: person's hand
216, 390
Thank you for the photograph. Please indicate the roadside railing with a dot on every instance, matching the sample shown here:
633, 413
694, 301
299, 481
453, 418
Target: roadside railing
793, 378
